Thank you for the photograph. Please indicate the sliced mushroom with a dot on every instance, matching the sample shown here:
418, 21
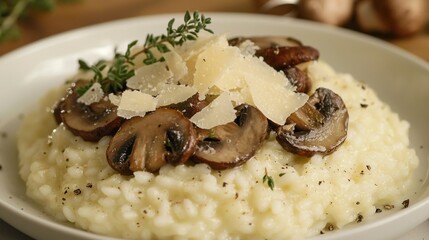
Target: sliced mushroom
191, 106
267, 41
149, 142
284, 57
320, 126
298, 78
91, 122
232, 144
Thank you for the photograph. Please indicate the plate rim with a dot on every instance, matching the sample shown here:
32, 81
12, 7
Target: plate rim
61, 37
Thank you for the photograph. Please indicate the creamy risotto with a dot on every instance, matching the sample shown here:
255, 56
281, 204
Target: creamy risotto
274, 195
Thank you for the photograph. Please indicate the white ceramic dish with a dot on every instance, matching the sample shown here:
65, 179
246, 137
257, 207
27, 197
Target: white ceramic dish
400, 79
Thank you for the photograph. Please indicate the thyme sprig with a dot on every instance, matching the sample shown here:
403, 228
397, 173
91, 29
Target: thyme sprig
121, 68
268, 179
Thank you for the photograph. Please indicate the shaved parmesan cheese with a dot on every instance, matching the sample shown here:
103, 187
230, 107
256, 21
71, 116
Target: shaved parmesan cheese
222, 68
214, 65
191, 55
176, 65
175, 94
92, 95
135, 103
248, 47
148, 78
115, 99
220, 111
270, 90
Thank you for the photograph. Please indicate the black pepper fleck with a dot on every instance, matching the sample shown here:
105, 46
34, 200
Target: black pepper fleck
329, 227
368, 167
77, 191
89, 185
378, 210
357, 203
320, 182
1, 167
359, 218
406, 203
236, 195
363, 105
224, 184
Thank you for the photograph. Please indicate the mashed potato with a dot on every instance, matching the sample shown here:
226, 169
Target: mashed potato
72, 181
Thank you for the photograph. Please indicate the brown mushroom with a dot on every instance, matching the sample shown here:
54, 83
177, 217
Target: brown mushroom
267, 41
91, 122
191, 106
284, 57
333, 12
319, 127
234, 143
397, 17
298, 78
147, 143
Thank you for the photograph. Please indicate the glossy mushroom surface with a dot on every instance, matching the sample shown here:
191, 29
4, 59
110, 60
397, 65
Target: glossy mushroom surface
147, 143
91, 122
319, 127
234, 143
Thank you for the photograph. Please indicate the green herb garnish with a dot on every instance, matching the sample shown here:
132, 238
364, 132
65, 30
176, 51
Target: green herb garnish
121, 69
268, 179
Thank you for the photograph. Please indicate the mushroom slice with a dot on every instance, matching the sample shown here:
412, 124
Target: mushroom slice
149, 142
91, 122
267, 41
298, 78
284, 57
191, 106
234, 143
320, 126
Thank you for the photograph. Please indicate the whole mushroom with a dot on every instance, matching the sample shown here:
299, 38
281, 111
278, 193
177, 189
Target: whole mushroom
397, 17
333, 12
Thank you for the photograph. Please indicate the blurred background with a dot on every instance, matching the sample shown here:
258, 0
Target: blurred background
401, 22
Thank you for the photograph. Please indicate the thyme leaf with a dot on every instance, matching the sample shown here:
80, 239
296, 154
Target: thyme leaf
267, 178
121, 68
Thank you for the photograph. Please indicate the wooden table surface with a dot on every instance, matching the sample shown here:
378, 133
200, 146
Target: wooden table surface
87, 12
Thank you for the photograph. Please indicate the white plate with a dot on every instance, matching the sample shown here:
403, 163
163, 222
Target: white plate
400, 79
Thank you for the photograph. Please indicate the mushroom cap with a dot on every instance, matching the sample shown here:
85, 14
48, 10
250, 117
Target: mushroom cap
267, 41
281, 57
320, 126
298, 78
398, 17
403, 17
149, 142
234, 143
333, 12
91, 122
191, 106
